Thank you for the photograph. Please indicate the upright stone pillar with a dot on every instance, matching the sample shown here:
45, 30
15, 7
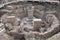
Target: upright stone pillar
30, 12
37, 24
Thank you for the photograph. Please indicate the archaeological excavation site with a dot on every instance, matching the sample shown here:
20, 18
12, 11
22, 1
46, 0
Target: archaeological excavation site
29, 20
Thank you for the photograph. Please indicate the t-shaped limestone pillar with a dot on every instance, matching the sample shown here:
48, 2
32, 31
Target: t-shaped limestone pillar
37, 24
30, 12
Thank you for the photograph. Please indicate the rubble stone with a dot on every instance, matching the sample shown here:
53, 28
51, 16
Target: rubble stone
2, 28
1, 25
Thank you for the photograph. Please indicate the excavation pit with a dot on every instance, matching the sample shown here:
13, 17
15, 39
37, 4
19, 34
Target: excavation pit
29, 23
